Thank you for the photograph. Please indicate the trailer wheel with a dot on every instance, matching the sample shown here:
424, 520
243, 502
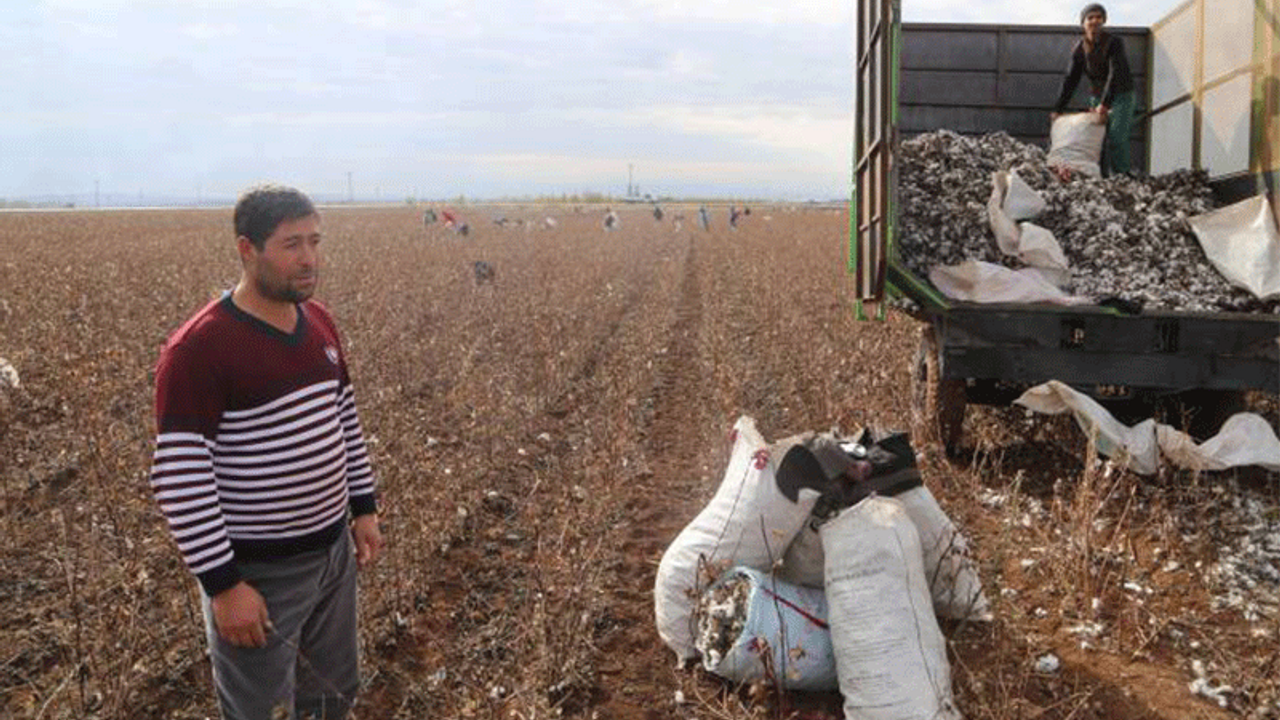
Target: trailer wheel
937, 404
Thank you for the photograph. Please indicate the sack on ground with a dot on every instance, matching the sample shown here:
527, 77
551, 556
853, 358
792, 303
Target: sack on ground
891, 658
955, 588
749, 522
1075, 142
752, 627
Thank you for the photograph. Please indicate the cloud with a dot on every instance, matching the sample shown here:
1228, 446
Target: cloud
760, 12
348, 119
209, 31
561, 172
1032, 12
817, 130
713, 89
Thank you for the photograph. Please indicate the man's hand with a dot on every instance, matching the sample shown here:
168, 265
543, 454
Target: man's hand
368, 538
240, 614
1102, 111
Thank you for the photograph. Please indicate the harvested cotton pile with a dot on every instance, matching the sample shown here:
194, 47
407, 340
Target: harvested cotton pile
1122, 236
721, 613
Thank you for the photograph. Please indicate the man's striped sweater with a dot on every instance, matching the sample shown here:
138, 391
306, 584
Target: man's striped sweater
259, 452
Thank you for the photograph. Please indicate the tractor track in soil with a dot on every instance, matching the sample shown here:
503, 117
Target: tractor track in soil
673, 442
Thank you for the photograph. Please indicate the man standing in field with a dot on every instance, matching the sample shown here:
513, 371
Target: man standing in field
262, 473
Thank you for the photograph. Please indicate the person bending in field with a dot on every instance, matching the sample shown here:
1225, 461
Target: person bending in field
262, 473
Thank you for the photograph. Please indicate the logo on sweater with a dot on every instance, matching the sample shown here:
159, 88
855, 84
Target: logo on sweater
332, 353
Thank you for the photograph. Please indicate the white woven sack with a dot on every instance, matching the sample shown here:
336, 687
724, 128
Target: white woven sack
791, 623
1075, 142
802, 563
749, 522
891, 658
1012, 199
1021, 201
954, 586
953, 576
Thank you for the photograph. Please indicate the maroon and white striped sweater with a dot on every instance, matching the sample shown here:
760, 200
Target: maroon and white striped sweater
259, 452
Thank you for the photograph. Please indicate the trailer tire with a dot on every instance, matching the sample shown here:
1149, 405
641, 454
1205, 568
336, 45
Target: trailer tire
937, 404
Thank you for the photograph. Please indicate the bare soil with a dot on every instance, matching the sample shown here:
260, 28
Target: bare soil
539, 440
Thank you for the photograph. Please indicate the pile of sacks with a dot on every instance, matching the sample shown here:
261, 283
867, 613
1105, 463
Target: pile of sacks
822, 563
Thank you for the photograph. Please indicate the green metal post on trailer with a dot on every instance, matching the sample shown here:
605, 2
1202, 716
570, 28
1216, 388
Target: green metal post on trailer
974, 353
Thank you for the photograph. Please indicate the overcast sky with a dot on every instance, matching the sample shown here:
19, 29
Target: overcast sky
439, 98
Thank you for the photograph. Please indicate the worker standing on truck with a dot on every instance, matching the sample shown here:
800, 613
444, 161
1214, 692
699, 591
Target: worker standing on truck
1100, 55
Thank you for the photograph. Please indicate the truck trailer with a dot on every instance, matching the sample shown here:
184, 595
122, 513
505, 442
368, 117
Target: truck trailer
1206, 102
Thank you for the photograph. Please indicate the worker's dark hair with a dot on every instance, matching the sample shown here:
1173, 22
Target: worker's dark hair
261, 209
1093, 8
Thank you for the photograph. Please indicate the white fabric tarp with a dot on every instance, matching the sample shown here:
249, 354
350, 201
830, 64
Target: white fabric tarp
1021, 201
1013, 200
1242, 243
984, 282
1038, 248
1245, 439
1075, 142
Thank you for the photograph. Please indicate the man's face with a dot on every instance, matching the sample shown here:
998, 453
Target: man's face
1093, 22
287, 269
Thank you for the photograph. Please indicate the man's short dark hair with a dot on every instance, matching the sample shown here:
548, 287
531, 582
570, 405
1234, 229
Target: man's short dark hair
1093, 8
261, 209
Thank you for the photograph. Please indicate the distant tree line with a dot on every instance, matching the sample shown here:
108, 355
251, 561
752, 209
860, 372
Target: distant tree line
20, 204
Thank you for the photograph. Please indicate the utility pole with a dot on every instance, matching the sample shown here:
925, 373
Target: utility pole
350, 195
630, 168
95, 193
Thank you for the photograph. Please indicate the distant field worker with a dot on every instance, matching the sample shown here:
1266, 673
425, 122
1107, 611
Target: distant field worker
262, 473
610, 220
1100, 56
704, 218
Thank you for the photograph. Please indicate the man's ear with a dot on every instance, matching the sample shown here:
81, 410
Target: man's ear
245, 247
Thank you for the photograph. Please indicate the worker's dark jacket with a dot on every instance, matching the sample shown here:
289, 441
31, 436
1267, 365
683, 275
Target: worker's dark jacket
1106, 66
